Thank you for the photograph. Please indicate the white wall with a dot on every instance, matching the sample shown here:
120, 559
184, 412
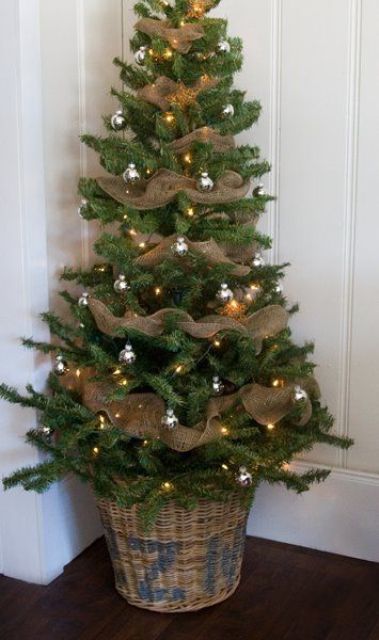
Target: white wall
313, 66
38, 534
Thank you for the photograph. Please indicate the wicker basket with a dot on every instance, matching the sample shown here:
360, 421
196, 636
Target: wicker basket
189, 560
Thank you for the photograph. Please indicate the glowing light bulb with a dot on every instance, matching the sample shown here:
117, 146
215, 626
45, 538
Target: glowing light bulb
179, 369
78, 373
117, 372
217, 343
158, 291
225, 467
133, 232
270, 426
117, 415
167, 486
188, 158
225, 431
169, 117
96, 451
168, 54
190, 212
142, 245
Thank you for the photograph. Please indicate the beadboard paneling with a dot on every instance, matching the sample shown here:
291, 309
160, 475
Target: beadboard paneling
363, 407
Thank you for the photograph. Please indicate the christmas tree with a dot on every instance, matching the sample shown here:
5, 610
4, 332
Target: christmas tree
176, 377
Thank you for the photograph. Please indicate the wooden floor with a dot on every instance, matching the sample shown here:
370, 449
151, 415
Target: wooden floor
287, 593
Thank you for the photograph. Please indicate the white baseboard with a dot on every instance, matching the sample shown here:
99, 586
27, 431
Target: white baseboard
340, 515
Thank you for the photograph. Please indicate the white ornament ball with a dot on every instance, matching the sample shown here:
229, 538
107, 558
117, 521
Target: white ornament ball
300, 395
205, 183
118, 121
217, 386
259, 191
258, 260
225, 294
121, 285
127, 355
60, 367
131, 174
244, 478
84, 299
228, 111
140, 56
223, 47
170, 421
180, 247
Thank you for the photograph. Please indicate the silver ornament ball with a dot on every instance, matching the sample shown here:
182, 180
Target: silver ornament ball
180, 247
60, 367
258, 260
225, 294
131, 174
244, 478
121, 285
259, 191
84, 299
300, 395
46, 432
82, 207
127, 355
205, 183
217, 386
118, 121
140, 56
228, 111
170, 421
223, 47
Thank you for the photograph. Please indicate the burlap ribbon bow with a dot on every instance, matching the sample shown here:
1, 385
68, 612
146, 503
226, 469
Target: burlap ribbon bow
207, 135
164, 92
264, 323
165, 185
208, 249
140, 414
180, 39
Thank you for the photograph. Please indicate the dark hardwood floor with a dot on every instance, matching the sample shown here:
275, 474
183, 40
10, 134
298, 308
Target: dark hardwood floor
286, 593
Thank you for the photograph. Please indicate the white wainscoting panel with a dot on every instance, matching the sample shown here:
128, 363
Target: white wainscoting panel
313, 66
363, 404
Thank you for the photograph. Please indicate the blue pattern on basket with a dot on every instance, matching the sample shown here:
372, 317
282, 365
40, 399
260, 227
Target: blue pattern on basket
166, 557
112, 542
229, 556
219, 557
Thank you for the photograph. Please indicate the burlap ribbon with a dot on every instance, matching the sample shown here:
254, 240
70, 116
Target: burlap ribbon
209, 249
140, 414
206, 135
180, 39
266, 322
164, 92
165, 185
